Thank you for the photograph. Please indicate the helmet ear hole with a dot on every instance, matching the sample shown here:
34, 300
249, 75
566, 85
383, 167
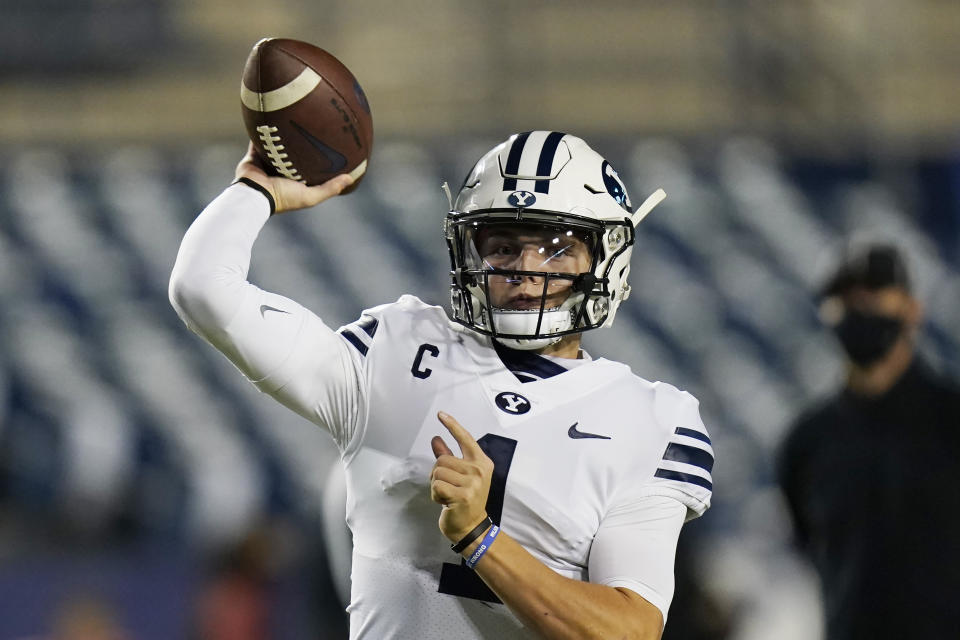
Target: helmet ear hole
600, 307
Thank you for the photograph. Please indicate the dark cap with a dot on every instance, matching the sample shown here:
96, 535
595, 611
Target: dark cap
872, 266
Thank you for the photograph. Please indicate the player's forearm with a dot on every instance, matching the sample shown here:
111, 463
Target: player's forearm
558, 607
208, 279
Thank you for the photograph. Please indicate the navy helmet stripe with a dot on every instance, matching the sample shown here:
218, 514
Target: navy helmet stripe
545, 164
354, 340
513, 161
368, 324
689, 455
668, 474
693, 433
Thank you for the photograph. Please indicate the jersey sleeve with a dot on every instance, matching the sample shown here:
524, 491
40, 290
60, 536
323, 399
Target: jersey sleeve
635, 547
283, 348
685, 469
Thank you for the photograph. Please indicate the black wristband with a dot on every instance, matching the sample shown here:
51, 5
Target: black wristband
473, 535
253, 184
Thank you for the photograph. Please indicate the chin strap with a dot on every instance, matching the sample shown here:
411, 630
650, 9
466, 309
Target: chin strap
586, 282
653, 200
528, 344
524, 322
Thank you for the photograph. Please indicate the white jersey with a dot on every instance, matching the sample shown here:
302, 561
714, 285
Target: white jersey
589, 462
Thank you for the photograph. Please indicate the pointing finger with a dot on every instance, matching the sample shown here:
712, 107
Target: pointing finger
468, 446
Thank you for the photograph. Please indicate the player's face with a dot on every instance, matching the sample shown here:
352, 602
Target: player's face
535, 249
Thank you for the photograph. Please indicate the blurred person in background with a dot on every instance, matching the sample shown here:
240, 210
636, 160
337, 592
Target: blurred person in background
871, 475
85, 616
591, 470
235, 600
697, 611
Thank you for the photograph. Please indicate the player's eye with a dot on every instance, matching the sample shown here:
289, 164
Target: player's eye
499, 249
563, 251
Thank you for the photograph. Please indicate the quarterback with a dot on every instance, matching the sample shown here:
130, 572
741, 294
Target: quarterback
560, 481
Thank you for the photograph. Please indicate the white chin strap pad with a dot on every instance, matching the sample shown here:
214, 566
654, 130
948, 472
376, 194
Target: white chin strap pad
525, 322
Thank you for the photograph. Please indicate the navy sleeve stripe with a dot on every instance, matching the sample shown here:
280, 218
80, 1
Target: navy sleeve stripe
668, 474
693, 433
369, 325
354, 340
689, 455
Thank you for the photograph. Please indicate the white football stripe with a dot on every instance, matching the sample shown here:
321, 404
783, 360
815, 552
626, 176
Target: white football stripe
295, 90
359, 171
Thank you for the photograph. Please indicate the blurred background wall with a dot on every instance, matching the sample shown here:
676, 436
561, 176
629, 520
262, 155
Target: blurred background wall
141, 478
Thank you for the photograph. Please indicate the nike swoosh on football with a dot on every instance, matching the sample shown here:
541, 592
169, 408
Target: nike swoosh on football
336, 159
265, 307
576, 434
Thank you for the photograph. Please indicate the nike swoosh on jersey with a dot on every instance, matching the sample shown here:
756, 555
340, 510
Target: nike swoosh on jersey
336, 159
576, 434
265, 307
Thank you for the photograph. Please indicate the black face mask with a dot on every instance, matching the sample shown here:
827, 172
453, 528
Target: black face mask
867, 337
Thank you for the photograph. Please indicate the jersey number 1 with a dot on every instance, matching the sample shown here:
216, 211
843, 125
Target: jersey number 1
457, 579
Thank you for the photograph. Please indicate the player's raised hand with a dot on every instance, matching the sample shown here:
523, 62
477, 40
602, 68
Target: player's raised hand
461, 485
288, 194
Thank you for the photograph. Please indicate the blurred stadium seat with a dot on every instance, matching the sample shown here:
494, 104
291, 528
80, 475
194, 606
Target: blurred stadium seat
112, 408
721, 302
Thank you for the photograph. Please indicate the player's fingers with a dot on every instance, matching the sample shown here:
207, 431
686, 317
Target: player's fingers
449, 476
468, 446
452, 462
250, 163
443, 492
250, 154
439, 447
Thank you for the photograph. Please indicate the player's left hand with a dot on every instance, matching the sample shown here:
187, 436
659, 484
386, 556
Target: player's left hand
461, 485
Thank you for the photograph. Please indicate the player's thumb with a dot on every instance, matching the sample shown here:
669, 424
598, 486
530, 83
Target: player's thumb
439, 447
316, 194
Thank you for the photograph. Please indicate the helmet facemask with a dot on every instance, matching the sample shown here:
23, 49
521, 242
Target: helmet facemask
530, 278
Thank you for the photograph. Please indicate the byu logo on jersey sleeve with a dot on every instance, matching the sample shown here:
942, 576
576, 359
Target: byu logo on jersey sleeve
512, 403
521, 199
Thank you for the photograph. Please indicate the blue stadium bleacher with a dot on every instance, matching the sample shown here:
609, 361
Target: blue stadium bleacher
112, 409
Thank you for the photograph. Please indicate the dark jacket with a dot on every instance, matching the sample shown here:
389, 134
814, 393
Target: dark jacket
873, 485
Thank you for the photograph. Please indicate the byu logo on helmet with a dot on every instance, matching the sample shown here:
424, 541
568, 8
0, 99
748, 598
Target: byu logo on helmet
521, 199
615, 187
512, 403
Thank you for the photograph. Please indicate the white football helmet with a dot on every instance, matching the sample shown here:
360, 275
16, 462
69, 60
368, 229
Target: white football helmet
563, 200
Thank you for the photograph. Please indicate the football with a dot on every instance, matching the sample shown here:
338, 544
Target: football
305, 112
